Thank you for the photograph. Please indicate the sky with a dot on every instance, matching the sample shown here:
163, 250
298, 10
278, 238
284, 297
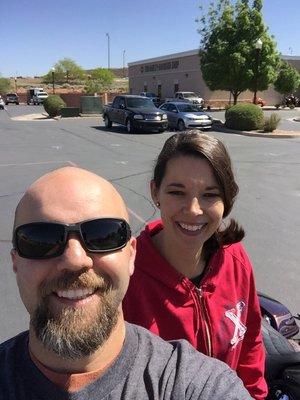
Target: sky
36, 34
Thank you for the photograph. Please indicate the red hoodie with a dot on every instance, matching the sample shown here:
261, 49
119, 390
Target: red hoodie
221, 318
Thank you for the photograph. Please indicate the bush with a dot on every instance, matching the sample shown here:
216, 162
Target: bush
271, 123
244, 117
53, 104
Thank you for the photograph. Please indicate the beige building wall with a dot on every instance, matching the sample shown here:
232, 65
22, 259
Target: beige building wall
181, 72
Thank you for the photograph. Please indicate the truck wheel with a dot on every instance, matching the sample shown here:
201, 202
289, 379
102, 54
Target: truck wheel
129, 127
181, 125
107, 122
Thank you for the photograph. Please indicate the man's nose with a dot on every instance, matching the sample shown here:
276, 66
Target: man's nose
74, 256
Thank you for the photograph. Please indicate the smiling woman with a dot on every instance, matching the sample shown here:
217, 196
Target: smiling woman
193, 278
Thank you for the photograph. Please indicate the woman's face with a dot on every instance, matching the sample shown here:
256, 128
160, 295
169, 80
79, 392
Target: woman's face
190, 202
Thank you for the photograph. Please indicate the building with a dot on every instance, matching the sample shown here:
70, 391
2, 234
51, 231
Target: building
181, 72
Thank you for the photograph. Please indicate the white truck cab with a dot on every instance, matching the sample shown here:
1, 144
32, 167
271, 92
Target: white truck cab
36, 95
187, 97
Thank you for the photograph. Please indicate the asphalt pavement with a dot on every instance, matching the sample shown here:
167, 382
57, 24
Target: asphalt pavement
267, 171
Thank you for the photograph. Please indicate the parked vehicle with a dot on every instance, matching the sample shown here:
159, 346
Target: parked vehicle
12, 98
1, 103
36, 96
151, 96
187, 97
279, 329
291, 101
135, 112
182, 116
260, 102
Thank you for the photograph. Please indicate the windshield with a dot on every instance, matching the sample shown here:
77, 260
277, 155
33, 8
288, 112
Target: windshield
150, 95
187, 108
189, 94
42, 94
137, 102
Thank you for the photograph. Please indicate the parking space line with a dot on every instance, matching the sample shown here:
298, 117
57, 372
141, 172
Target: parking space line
38, 163
136, 216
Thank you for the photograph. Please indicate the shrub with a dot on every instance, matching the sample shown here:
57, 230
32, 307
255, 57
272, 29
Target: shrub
271, 123
244, 117
53, 104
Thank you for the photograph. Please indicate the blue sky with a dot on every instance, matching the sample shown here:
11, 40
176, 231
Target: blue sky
36, 34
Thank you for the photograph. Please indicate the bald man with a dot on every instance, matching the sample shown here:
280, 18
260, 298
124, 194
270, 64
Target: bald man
73, 255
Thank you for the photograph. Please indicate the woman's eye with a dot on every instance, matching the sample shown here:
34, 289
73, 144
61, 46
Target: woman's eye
176, 192
212, 195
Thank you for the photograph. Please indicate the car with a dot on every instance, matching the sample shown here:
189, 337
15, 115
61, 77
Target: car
1, 103
135, 113
12, 98
182, 116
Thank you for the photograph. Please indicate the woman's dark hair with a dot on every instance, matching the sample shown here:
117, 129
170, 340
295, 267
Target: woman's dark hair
196, 144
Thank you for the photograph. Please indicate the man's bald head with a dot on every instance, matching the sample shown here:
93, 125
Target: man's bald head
67, 194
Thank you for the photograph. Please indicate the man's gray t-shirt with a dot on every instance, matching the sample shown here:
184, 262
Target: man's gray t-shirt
146, 368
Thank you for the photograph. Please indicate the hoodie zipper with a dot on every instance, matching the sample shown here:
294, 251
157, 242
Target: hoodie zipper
205, 320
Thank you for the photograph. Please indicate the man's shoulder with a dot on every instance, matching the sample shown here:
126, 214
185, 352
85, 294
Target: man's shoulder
186, 372
9, 345
181, 350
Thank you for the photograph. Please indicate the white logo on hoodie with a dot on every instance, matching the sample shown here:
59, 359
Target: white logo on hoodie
239, 328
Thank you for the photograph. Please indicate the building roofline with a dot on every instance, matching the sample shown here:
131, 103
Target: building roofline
166, 57
186, 54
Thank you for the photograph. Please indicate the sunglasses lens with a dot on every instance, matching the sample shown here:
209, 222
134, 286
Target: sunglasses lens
39, 240
105, 234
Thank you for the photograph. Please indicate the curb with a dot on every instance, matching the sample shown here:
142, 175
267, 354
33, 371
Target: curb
219, 128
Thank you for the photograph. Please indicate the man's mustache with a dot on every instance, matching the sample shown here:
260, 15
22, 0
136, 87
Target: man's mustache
76, 280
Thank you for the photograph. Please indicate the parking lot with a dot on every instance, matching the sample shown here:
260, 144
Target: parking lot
267, 171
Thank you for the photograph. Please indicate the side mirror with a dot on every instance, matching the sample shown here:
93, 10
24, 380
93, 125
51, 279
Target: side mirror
122, 106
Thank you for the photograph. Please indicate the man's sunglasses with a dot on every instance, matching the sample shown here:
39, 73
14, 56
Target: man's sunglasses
42, 240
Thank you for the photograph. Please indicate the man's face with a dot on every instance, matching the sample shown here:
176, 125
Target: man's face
73, 299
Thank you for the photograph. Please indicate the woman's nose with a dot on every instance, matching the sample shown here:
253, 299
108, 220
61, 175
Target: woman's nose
74, 256
194, 206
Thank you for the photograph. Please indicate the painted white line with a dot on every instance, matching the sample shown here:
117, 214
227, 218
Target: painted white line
136, 216
37, 163
72, 163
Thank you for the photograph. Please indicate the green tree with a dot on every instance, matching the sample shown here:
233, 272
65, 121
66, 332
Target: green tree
227, 53
5, 85
99, 80
65, 71
288, 79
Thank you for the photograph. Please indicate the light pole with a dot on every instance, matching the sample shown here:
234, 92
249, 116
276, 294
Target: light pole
16, 87
108, 51
258, 47
123, 63
53, 82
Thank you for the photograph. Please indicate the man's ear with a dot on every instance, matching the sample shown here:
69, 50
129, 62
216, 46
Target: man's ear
13, 255
132, 243
154, 191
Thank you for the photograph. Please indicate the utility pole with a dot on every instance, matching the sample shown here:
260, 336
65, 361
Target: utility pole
108, 51
124, 63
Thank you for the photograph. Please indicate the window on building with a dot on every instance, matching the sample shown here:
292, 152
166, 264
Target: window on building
176, 87
145, 88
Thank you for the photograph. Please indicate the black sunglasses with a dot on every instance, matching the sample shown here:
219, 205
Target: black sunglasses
42, 240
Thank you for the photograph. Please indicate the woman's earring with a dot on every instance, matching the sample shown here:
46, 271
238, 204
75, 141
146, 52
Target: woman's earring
157, 204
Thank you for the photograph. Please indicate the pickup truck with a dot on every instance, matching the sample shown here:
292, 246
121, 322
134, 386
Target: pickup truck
188, 97
135, 112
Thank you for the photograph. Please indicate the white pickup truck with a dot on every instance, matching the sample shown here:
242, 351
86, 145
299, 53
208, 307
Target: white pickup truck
188, 97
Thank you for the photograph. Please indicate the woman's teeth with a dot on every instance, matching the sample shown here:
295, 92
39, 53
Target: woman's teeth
192, 228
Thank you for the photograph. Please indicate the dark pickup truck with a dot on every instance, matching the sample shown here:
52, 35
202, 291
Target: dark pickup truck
135, 112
